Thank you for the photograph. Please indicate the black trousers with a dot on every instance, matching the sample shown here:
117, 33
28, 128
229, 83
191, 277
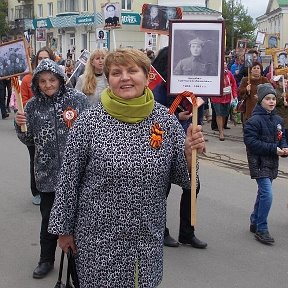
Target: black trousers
33, 187
185, 229
9, 91
48, 242
2, 102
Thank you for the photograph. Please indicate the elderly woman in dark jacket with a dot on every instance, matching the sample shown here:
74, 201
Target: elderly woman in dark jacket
49, 116
264, 137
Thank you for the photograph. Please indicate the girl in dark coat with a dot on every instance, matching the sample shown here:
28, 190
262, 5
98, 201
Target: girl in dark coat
264, 137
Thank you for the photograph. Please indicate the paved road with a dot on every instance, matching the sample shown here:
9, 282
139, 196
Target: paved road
233, 258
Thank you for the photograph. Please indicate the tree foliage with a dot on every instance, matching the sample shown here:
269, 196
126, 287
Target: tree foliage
3, 18
239, 25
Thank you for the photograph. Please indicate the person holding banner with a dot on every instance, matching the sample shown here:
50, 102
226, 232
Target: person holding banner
27, 94
248, 88
120, 156
49, 115
93, 81
282, 100
186, 231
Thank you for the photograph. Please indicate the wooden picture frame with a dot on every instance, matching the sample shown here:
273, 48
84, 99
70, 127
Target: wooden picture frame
200, 73
14, 59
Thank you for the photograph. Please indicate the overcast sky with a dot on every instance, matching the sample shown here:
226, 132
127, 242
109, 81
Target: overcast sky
255, 7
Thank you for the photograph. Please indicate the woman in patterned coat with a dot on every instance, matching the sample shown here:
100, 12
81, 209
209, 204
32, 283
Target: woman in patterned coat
49, 116
120, 157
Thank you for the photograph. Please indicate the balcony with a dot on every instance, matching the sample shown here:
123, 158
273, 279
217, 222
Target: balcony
24, 11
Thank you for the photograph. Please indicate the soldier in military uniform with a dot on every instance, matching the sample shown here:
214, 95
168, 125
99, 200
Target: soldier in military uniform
195, 64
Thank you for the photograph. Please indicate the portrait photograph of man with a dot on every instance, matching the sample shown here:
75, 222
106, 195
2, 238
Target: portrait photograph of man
282, 61
111, 15
272, 41
156, 18
198, 54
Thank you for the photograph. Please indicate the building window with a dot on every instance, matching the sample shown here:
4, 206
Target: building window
60, 6
84, 39
50, 9
85, 5
11, 18
40, 10
67, 6
71, 6
126, 4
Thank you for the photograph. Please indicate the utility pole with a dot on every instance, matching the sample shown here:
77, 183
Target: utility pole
95, 19
232, 22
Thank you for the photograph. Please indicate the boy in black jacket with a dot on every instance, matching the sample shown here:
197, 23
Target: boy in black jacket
265, 142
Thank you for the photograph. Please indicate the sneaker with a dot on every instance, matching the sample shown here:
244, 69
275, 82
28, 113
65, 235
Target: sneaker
36, 200
264, 237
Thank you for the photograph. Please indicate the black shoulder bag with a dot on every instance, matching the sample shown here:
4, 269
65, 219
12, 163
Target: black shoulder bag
71, 272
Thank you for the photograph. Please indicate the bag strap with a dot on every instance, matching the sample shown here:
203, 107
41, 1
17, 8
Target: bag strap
60, 269
71, 270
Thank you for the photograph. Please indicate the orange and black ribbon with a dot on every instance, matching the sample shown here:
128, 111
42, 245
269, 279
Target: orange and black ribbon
179, 98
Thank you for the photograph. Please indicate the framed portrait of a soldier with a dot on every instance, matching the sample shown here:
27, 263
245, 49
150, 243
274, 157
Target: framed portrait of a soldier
281, 59
155, 18
14, 59
196, 57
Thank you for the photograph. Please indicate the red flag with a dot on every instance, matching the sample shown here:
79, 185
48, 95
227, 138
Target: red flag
154, 78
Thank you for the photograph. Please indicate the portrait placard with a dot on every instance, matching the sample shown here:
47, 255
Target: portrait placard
241, 45
248, 59
14, 59
260, 38
155, 18
101, 34
85, 55
111, 15
196, 57
280, 59
41, 35
266, 60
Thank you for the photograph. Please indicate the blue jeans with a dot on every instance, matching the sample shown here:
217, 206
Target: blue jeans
262, 204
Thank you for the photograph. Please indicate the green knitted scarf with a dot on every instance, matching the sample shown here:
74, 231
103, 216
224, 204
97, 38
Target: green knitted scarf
128, 110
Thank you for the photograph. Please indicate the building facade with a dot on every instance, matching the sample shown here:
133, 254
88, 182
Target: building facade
274, 23
73, 25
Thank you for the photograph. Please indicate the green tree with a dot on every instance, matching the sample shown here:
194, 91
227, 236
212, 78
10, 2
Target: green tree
238, 24
4, 28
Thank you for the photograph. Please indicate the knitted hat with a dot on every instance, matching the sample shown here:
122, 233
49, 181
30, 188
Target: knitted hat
263, 90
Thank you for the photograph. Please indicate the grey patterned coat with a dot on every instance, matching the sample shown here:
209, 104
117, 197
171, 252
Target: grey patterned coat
46, 126
111, 196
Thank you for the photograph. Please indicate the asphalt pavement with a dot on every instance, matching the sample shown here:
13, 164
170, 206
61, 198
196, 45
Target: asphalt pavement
233, 258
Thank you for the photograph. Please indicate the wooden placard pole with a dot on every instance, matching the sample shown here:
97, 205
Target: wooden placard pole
194, 170
16, 85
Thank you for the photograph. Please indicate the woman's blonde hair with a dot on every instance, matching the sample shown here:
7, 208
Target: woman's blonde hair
126, 56
90, 81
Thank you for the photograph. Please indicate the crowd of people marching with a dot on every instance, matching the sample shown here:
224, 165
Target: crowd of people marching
96, 141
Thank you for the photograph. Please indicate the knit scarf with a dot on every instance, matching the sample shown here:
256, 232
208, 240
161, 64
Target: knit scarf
128, 110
